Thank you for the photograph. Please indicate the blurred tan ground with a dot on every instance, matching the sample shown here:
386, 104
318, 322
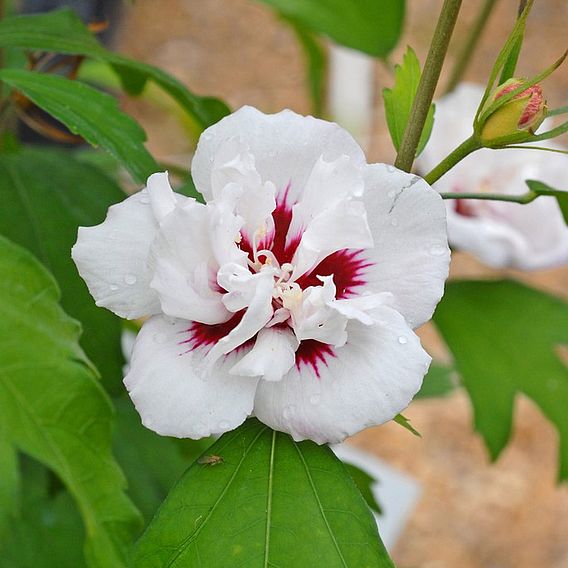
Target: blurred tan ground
472, 514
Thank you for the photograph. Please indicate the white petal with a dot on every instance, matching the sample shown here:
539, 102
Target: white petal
185, 267
329, 184
361, 307
344, 226
162, 197
257, 315
112, 258
272, 356
236, 181
172, 399
314, 318
411, 255
286, 146
367, 382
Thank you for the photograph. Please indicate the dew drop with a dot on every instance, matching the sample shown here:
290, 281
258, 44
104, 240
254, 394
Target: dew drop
391, 169
288, 412
394, 222
402, 340
113, 287
223, 425
130, 279
145, 200
437, 250
315, 399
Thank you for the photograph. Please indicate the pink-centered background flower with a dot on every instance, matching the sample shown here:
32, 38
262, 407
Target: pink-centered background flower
291, 294
501, 234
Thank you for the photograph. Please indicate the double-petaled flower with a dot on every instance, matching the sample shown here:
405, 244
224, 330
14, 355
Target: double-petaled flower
291, 294
501, 234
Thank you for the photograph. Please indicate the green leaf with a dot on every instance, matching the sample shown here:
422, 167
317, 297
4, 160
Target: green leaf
405, 423
504, 338
316, 59
399, 99
48, 532
10, 482
367, 25
364, 483
51, 194
151, 463
438, 382
62, 31
91, 114
543, 189
53, 407
265, 501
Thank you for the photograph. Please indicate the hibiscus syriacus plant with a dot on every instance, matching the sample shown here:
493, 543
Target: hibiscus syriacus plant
291, 294
274, 288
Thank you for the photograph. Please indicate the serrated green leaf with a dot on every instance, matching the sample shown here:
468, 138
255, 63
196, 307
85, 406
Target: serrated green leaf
54, 409
364, 483
268, 501
504, 338
366, 25
62, 31
399, 99
91, 114
51, 194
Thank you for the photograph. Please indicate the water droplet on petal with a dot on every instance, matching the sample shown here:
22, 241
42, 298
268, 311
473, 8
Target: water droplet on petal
402, 340
160, 337
437, 250
394, 222
130, 279
223, 425
288, 412
145, 199
113, 287
391, 169
315, 399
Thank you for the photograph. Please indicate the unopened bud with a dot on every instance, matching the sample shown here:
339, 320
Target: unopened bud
517, 119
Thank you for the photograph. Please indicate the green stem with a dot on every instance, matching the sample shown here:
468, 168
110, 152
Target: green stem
464, 56
463, 150
523, 198
427, 85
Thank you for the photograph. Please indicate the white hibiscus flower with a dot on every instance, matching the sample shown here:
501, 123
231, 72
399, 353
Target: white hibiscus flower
290, 295
501, 234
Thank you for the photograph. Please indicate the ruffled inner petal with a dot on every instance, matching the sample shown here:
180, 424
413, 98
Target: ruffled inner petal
273, 355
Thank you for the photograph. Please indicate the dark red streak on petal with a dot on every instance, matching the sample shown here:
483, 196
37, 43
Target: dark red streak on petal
348, 267
203, 335
312, 354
